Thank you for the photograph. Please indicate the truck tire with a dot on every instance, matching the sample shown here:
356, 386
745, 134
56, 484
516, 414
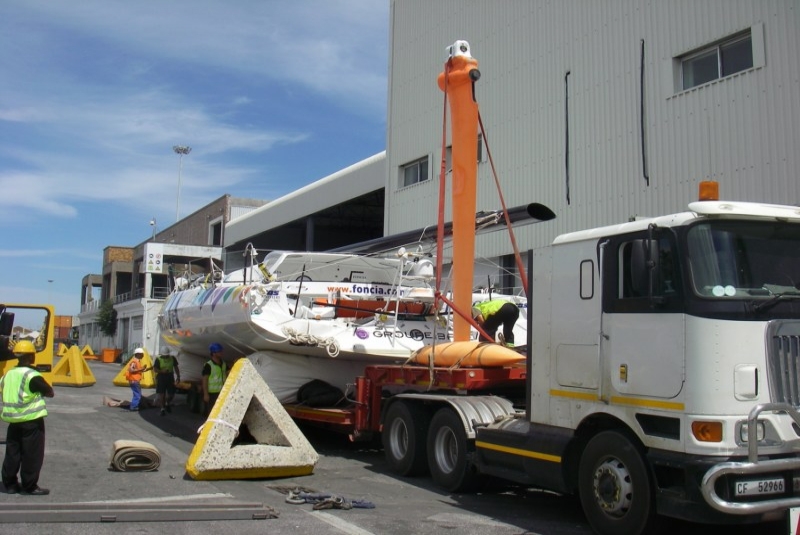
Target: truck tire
615, 487
405, 431
448, 452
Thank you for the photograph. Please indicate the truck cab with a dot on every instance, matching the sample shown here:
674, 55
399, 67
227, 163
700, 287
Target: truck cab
664, 369
662, 376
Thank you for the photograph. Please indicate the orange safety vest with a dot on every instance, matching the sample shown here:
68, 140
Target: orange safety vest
134, 370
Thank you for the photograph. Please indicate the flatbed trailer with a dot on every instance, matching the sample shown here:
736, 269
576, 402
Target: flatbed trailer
361, 418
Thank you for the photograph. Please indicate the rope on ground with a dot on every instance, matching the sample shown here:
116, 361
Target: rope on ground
326, 501
134, 456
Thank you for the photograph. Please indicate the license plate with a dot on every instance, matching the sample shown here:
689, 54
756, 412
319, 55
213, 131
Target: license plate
760, 487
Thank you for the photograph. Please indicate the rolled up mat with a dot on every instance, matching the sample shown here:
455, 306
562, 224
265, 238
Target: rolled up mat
134, 456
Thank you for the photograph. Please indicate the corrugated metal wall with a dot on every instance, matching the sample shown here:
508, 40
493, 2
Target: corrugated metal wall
741, 130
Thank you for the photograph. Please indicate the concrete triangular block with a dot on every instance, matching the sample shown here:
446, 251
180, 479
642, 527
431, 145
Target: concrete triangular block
148, 377
87, 351
62, 349
281, 451
72, 370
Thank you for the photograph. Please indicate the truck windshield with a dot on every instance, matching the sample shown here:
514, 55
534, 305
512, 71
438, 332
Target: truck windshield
745, 259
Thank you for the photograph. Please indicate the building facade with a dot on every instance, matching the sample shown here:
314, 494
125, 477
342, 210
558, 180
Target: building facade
138, 279
603, 111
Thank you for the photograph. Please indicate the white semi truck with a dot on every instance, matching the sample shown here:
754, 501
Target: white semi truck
663, 376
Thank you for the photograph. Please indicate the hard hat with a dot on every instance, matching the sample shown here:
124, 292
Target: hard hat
138, 351
24, 347
215, 348
165, 350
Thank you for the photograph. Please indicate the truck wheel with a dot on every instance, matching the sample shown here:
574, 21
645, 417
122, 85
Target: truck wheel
448, 452
405, 431
614, 485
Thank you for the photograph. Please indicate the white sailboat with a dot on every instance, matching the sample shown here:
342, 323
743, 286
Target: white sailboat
319, 315
300, 316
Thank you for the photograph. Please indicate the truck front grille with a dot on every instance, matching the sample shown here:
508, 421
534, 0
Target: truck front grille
783, 343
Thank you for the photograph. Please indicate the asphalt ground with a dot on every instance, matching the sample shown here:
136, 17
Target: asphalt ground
81, 431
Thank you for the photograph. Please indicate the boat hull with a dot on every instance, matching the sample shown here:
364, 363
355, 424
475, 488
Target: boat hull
246, 319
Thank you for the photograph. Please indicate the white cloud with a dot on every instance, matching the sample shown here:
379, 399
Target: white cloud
23, 253
336, 48
78, 129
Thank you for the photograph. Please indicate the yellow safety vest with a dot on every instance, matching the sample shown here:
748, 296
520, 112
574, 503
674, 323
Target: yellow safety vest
217, 377
487, 308
19, 403
166, 364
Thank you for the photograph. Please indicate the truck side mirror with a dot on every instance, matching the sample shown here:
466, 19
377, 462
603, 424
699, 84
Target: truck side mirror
644, 267
6, 323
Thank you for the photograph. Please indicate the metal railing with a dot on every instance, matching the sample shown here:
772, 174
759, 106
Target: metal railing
157, 292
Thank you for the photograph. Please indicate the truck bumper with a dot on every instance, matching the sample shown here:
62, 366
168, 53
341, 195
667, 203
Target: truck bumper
686, 488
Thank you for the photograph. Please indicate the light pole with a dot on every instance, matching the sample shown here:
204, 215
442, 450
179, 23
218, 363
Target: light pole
180, 150
155, 227
49, 290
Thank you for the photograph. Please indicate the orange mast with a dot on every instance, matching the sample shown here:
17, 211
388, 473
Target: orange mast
457, 81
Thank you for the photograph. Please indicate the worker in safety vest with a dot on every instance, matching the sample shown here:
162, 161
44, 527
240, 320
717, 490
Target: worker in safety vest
215, 371
167, 374
493, 313
134, 375
23, 390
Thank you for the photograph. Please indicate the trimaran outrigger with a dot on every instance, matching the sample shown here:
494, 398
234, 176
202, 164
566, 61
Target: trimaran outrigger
300, 316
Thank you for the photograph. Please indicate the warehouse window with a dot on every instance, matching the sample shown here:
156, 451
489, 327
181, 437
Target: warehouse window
726, 57
483, 155
414, 172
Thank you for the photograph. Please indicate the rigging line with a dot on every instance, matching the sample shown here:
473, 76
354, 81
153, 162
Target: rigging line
566, 134
442, 183
467, 317
517, 258
645, 172
299, 291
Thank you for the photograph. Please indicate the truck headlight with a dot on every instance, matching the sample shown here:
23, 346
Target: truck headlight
760, 431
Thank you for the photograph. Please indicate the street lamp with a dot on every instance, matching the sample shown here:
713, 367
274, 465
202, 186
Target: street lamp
180, 150
155, 227
49, 290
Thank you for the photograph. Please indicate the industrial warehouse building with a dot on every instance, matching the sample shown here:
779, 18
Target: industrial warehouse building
603, 111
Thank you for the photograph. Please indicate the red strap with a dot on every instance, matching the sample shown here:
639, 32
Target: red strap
517, 258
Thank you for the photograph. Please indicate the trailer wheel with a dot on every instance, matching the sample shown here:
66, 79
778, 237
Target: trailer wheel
615, 487
405, 431
448, 452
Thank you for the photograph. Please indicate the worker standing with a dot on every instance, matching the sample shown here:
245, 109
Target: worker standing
167, 374
23, 390
134, 375
215, 371
493, 313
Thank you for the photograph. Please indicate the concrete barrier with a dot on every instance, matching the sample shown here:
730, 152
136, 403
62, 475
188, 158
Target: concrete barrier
280, 450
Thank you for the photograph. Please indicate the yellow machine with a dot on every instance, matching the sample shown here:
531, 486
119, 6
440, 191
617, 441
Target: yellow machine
27, 322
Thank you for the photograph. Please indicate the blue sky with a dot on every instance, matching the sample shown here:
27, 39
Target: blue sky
270, 94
